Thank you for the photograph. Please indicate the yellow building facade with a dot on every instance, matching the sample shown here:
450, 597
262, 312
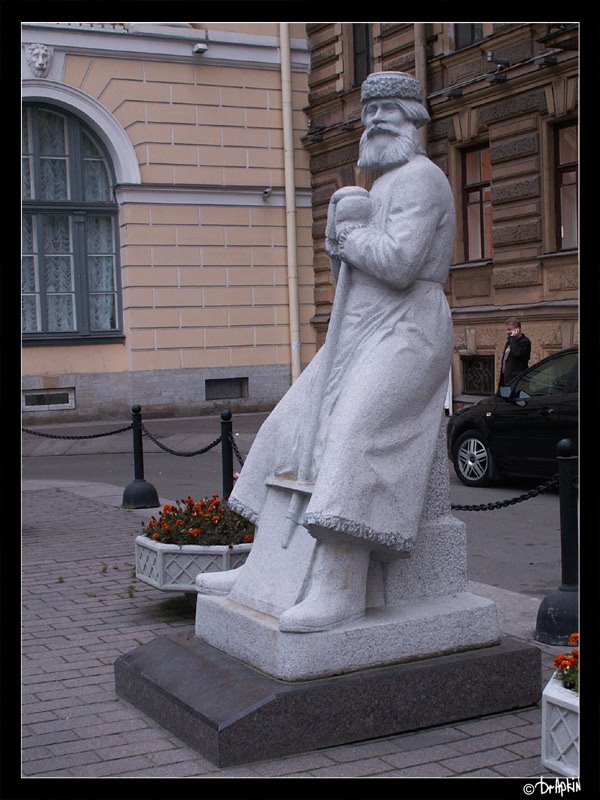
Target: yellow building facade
167, 215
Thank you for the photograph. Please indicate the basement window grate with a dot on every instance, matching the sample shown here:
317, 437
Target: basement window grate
226, 388
478, 374
49, 400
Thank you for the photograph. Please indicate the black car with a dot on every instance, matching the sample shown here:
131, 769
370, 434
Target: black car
515, 432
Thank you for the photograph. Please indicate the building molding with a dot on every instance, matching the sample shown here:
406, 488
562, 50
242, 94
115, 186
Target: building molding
166, 43
209, 196
110, 131
492, 311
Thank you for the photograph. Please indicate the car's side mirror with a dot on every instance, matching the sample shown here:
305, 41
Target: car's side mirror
505, 391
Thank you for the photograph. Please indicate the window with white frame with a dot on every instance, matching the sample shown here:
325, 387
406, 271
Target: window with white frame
70, 273
477, 203
362, 51
467, 33
566, 174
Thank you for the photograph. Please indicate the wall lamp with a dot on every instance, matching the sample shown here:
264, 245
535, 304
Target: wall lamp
545, 59
495, 77
315, 131
492, 59
453, 91
199, 48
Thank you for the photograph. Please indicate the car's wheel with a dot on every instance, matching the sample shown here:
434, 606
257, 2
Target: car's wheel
472, 459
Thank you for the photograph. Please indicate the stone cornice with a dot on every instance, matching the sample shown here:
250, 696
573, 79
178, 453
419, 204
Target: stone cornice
169, 44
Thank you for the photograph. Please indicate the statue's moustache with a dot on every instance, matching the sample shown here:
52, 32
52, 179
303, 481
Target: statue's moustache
380, 130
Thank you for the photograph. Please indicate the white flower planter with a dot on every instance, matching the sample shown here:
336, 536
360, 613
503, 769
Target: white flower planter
174, 568
560, 729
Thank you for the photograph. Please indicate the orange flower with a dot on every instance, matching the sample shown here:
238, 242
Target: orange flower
182, 522
155, 536
574, 639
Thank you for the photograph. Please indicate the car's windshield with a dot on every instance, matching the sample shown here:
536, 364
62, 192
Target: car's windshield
557, 376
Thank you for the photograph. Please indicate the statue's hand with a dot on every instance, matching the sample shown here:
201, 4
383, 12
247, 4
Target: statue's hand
353, 209
340, 194
348, 191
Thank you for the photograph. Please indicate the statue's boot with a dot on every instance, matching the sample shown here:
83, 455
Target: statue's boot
336, 592
217, 582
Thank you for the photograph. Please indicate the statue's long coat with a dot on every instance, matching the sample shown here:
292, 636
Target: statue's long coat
379, 417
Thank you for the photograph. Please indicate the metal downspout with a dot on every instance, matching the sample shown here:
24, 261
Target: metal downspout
421, 73
290, 199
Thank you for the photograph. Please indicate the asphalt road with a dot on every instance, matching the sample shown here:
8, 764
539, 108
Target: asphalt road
516, 547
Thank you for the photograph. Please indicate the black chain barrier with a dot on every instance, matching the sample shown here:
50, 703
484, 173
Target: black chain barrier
87, 436
238, 455
128, 428
186, 454
140, 493
543, 487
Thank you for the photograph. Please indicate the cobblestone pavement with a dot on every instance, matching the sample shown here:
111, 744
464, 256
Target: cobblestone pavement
82, 608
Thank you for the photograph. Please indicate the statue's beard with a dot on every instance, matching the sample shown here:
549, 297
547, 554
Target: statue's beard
384, 151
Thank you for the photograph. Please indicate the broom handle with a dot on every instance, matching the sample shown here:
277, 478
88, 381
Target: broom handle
333, 333
335, 324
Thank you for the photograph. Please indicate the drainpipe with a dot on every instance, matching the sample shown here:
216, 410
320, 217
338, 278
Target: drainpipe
421, 72
290, 199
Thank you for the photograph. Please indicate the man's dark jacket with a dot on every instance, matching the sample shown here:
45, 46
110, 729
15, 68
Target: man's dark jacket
517, 359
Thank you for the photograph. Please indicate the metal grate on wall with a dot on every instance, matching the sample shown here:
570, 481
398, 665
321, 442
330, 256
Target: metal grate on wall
48, 400
225, 388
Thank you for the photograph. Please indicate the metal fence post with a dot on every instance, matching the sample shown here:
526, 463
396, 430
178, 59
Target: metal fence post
227, 452
139, 493
558, 614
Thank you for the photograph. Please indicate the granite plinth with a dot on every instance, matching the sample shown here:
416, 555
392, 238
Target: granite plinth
234, 714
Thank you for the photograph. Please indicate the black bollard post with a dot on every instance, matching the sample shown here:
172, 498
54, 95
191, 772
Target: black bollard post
558, 614
226, 452
139, 493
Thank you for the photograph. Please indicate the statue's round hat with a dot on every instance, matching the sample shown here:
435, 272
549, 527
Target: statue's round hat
391, 84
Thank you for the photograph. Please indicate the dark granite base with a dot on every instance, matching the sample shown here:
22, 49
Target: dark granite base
234, 714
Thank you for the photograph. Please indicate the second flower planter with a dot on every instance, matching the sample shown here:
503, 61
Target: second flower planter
174, 567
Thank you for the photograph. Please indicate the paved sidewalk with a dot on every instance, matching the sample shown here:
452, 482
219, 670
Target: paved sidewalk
82, 607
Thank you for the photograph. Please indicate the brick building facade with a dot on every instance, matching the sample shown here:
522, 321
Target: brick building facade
503, 100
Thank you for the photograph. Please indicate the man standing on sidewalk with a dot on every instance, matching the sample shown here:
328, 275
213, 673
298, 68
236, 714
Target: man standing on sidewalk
517, 351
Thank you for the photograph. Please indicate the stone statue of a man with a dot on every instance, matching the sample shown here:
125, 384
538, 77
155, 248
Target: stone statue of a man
358, 430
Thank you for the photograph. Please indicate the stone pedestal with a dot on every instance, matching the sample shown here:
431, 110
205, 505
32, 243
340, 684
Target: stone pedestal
234, 714
386, 635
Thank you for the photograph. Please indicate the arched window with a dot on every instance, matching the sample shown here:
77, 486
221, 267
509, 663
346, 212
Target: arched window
70, 275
